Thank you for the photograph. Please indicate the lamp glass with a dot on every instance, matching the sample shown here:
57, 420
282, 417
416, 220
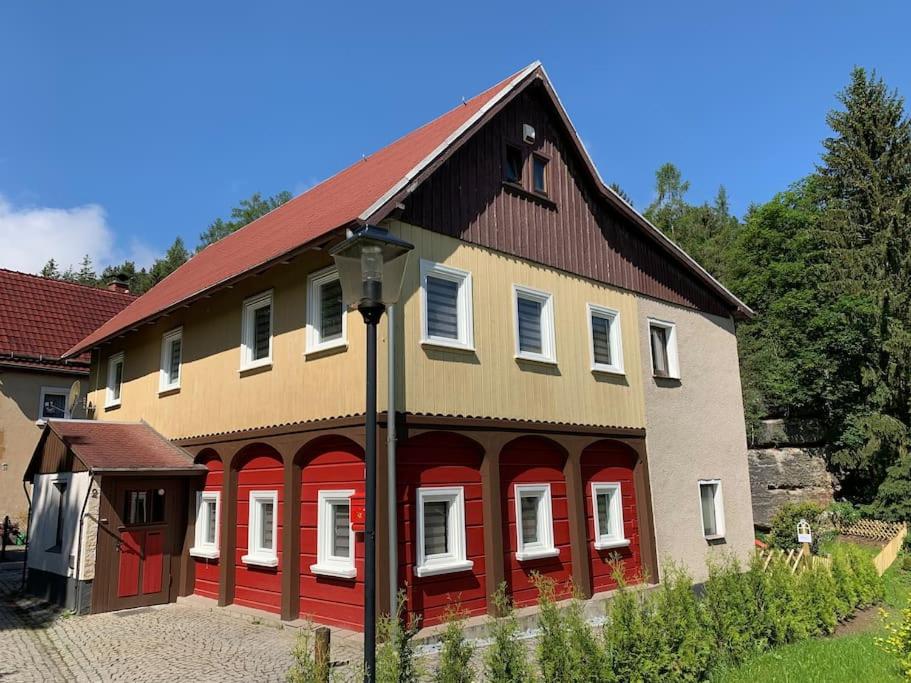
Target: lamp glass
371, 266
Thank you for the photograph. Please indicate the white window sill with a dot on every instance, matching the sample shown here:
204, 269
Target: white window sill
714, 537
670, 377
452, 345
443, 568
205, 553
334, 345
525, 555
260, 560
337, 572
112, 404
608, 370
607, 545
164, 391
258, 365
531, 358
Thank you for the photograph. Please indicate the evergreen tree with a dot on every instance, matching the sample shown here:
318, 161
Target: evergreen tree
174, 258
621, 193
51, 270
246, 212
86, 274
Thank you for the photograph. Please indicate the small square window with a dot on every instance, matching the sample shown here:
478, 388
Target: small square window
663, 344
335, 538
447, 307
512, 172
712, 507
115, 380
262, 529
144, 506
256, 335
327, 326
607, 515
52, 404
534, 522
534, 325
208, 525
441, 531
171, 350
606, 345
539, 174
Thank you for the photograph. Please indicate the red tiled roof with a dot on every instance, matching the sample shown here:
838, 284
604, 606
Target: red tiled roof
115, 446
334, 203
41, 318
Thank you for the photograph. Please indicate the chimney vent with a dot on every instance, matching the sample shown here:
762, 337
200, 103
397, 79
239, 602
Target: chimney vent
119, 283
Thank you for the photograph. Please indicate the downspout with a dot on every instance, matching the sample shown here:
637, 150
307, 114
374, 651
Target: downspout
391, 496
76, 569
28, 532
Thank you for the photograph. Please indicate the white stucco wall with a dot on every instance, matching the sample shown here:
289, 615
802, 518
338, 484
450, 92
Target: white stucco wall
44, 523
695, 430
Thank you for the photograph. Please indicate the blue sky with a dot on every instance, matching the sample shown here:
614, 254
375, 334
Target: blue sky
125, 124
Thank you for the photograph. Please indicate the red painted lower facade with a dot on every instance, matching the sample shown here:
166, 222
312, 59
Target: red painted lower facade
206, 569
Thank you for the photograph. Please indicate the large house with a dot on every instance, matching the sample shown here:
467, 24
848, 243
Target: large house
566, 393
40, 319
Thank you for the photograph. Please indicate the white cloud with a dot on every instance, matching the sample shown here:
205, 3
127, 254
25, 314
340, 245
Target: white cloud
30, 235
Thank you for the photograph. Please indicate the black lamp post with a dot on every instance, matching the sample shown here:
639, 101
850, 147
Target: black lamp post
371, 265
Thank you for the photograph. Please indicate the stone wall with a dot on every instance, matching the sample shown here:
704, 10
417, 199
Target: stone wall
787, 475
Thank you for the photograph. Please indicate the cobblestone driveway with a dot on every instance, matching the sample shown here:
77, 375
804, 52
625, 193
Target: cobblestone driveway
171, 643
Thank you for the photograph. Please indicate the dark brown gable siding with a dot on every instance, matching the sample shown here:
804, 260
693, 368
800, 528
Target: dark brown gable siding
55, 457
574, 230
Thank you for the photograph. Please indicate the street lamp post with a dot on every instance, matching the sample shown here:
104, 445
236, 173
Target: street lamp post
371, 265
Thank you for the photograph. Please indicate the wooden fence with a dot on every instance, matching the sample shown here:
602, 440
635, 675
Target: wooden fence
795, 558
892, 532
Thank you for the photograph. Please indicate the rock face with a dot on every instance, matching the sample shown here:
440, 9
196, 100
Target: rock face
787, 475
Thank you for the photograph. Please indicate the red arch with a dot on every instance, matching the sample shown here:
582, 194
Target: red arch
206, 575
612, 461
534, 460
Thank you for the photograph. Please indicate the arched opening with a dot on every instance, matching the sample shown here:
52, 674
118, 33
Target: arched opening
206, 551
260, 505
535, 517
441, 525
611, 515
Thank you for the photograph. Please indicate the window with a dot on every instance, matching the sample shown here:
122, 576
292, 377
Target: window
607, 508
208, 525
262, 529
712, 509
256, 346
512, 172
52, 404
441, 531
539, 174
144, 507
327, 326
171, 348
606, 346
534, 522
115, 380
534, 322
663, 342
58, 491
446, 303
335, 538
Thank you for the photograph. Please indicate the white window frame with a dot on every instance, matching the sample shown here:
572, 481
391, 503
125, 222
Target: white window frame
264, 557
608, 538
719, 509
201, 547
250, 307
615, 339
164, 370
673, 363
544, 546
464, 310
315, 343
456, 560
548, 343
54, 390
113, 360
326, 563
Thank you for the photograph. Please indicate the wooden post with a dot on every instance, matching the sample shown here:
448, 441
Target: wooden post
321, 655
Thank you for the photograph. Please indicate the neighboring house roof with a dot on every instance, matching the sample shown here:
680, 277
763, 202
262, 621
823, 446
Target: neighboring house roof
41, 318
116, 447
365, 192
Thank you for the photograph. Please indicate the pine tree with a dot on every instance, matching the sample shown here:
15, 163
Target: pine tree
86, 274
246, 212
174, 258
51, 270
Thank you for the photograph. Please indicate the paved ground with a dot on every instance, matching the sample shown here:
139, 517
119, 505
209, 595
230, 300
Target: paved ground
173, 643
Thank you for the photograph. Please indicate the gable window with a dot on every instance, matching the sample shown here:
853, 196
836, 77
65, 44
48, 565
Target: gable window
207, 525
539, 174
58, 490
512, 171
446, 303
171, 350
52, 404
607, 508
115, 380
663, 342
335, 538
712, 509
534, 522
606, 346
534, 320
327, 326
441, 531
256, 345
262, 529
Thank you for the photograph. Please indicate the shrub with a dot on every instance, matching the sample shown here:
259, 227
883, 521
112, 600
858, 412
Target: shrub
870, 589
455, 656
783, 533
395, 662
683, 650
731, 610
898, 640
305, 668
844, 512
629, 634
588, 660
817, 588
785, 613
506, 660
554, 660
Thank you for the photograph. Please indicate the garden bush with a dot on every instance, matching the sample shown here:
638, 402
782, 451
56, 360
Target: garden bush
506, 659
818, 593
456, 653
783, 532
731, 610
305, 668
682, 647
395, 656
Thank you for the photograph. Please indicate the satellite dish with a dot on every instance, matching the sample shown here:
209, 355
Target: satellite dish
75, 392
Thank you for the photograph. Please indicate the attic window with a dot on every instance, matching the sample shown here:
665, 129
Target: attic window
539, 174
512, 172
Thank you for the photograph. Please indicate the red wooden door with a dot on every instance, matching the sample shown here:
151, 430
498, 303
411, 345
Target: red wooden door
152, 562
130, 563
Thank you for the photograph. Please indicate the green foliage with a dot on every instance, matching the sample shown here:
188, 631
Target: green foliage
783, 533
731, 611
246, 212
395, 656
897, 641
818, 595
455, 656
630, 634
683, 651
844, 512
506, 659
554, 659
305, 668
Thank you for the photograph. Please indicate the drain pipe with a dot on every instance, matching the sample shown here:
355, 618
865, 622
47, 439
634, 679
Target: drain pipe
391, 495
28, 533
